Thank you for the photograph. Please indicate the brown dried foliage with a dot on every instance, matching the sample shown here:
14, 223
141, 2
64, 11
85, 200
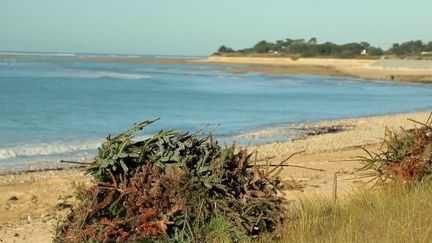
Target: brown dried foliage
149, 200
153, 198
406, 155
171, 187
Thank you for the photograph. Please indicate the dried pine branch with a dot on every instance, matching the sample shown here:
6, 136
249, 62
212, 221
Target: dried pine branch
171, 187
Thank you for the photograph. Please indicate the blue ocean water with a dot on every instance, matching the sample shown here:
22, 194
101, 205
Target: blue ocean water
61, 108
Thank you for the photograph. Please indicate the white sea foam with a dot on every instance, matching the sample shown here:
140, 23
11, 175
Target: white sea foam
227, 77
179, 57
47, 149
107, 74
124, 56
38, 54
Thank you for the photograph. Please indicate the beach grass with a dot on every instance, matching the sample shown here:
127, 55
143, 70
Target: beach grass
394, 213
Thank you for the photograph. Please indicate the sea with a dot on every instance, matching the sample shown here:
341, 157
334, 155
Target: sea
56, 106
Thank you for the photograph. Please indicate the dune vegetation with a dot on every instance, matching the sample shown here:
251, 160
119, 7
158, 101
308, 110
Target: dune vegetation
392, 213
394, 207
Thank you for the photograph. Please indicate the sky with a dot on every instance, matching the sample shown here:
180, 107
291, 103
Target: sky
199, 27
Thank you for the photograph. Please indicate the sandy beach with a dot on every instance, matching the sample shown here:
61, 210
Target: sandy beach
383, 69
235, 121
32, 203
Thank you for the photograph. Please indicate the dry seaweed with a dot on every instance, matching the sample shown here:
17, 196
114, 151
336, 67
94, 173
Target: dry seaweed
173, 187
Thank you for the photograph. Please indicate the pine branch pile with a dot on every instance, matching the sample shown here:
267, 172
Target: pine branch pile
406, 155
174, 187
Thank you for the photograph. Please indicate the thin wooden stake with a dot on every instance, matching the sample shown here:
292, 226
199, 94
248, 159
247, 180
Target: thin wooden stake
335, 187
75, 162
295, 166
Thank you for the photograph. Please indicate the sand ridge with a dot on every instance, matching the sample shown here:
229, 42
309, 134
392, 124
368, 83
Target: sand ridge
387, 69
373, 69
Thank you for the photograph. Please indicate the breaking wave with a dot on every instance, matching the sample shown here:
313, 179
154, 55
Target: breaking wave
45, 149
38, 54
107, 74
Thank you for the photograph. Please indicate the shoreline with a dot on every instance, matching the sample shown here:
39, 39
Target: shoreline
370, 131
32, 202
312, 129
267, 135
417, 71
395, 70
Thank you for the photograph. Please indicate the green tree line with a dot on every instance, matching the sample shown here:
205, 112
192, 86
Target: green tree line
311, 48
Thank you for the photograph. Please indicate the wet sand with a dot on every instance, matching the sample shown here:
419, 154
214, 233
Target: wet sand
387, 69
32, 203
406, 70
372, 69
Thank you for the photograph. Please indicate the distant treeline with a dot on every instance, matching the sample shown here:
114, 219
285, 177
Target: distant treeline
311, 48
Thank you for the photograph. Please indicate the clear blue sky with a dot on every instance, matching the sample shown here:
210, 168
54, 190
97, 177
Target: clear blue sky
199, 27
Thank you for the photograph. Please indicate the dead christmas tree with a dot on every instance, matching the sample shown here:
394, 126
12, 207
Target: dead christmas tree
174, 187
406, 155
